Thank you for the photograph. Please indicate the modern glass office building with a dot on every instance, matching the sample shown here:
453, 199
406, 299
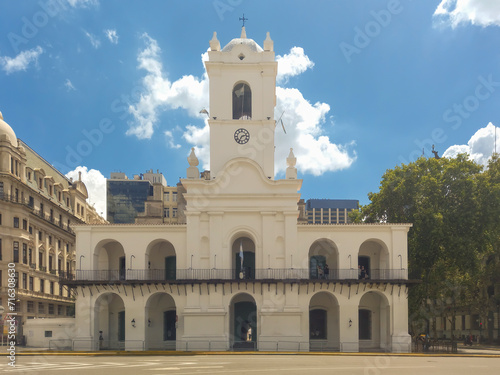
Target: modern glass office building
125, 198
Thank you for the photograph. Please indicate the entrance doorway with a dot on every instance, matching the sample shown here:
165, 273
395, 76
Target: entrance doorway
244, 322
169, 331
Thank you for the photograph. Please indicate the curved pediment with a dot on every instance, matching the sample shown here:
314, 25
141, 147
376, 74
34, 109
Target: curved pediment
242, 177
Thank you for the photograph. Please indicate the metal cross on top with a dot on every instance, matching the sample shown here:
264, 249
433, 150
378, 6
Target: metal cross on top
243, 19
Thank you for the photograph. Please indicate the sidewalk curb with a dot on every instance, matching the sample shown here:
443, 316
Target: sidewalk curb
194, 353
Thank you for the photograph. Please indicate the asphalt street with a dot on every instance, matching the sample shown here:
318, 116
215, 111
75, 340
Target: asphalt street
251, 364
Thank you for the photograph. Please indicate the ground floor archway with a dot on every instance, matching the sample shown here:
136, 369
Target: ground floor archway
324, 331
243, 322
374, 321
109, 322
160, 322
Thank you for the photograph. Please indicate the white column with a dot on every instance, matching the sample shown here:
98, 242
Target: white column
349, 325
84, 321
400, 339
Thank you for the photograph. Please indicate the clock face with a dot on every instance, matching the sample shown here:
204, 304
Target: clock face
241, 136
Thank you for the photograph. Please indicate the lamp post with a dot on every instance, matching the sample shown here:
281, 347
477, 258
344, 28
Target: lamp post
81, 256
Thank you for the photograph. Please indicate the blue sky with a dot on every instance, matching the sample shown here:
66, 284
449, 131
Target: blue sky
107, 85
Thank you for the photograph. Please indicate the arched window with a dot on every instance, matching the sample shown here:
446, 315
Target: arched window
242, 102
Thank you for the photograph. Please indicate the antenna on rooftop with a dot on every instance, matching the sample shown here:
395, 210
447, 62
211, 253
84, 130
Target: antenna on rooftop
436, 156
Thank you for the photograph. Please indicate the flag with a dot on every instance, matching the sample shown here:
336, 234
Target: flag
240, 92
241, 253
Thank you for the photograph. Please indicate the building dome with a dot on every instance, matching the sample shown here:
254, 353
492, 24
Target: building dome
242, 40
7, 130
252, 44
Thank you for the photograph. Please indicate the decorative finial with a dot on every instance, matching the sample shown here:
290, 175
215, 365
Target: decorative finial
214, 43
192, 171
291, 160
79, 175
268, 43
192, 159
1, 116
291, 171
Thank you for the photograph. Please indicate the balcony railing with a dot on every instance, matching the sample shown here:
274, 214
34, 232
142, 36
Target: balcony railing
63, 275
51, 219
11, 198
161, 275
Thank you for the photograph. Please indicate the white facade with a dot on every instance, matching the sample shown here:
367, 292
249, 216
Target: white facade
52, 333
241, 273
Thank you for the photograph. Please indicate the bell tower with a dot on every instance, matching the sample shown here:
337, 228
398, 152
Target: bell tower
242, 89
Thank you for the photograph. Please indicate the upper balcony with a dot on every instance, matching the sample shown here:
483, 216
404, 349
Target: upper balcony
189, 276
45, 216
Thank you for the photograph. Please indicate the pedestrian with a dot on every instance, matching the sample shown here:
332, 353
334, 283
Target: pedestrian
327, 271
101, 339
320, 272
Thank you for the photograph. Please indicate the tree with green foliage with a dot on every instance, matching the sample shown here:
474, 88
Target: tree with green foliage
453, 247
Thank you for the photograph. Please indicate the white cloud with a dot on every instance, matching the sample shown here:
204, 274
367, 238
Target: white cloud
82, 3
69, 85
96, 187
303, 121
479, 147
111, 35
188, 92
95, 41
292, 64
315, 152
477, 12
21, 61
170, 139
200, 138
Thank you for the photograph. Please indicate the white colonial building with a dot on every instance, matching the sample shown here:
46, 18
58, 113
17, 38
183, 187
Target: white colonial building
242, 272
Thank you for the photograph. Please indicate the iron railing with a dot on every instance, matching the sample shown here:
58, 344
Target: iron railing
51, 219
209, 345
162, 275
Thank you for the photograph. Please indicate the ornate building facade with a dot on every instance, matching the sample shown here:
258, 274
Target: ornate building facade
38, 206
240, 270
